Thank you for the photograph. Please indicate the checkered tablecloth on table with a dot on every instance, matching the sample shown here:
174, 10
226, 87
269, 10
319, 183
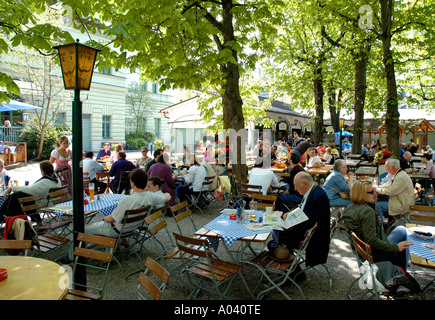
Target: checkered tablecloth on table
105, 206
229, 230
418, 248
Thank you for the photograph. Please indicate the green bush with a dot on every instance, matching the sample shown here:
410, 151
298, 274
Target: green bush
135, 143
32, 135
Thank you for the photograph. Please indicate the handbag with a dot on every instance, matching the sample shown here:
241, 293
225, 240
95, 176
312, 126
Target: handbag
343, 194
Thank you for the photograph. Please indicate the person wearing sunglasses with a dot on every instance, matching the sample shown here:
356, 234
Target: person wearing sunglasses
145, 159
361, 217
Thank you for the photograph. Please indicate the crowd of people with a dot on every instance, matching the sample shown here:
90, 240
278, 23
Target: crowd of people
368, 206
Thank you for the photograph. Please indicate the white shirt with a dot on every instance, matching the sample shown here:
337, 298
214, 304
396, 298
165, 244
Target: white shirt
304, 199
264, 178
135, 201
196, 176
41, 186
313, 161
90, 166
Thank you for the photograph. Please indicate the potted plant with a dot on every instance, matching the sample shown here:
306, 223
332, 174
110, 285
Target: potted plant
381, 157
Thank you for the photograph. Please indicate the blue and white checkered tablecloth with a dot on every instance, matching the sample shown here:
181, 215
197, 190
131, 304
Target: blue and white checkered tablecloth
105, 206
418, 248
229, 230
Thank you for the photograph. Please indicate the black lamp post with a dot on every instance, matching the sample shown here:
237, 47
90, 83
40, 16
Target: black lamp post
341, 124
77, 63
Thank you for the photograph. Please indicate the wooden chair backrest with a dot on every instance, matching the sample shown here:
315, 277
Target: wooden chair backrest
179, 206
415, 207
363, 248
86, 180
247, 186
154, 217
134, 215
193, 246
59, 195
94, 254
264, 201
148, 284
25, 207
124, 175
421, 217
16, 244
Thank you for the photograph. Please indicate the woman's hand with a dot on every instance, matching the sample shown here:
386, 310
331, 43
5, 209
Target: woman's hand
404, 245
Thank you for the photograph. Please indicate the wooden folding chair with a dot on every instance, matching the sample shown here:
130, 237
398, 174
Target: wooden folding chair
86, 180
201, 266
33, 205
16, 246
264, 201
282, 270
84, 257
183, 218
201, 200
124, 182
132, 221
146, 282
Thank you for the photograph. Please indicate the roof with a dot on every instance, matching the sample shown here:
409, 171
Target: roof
284, 108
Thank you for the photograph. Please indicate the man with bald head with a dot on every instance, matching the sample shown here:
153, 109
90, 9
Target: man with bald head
315, 204
405, 162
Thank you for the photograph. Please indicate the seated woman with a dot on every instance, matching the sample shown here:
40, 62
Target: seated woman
336, 182
328, 157
162, 170
42, 186
361, 217
193, 179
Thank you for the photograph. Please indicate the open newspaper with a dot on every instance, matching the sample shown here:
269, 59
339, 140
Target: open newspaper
293, 218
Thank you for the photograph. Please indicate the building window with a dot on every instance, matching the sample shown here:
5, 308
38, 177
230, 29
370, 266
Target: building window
106, 127
157, 127
60, 118
155, 88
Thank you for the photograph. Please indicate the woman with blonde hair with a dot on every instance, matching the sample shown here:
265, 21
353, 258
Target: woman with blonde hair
114, 156
61, 158
362, 218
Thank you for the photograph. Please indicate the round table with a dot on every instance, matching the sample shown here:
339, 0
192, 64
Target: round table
33, 279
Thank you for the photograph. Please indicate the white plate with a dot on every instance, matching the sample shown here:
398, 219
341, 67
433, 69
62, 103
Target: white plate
423, 229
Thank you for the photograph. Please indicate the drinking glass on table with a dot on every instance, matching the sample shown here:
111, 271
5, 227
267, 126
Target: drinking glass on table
91, 191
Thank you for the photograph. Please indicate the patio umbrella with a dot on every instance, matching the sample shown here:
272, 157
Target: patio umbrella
345, 134
16, 105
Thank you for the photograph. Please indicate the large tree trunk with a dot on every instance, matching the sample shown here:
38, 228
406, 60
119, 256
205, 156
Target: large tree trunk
392, 115
231, 98
360, 95
318, 96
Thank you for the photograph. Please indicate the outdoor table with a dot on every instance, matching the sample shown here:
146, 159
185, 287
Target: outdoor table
354, 156
277, 170
419, 165
420, 254
418, 154
415, 159
227, 230
352, 164
105, 206
32, 278
366, 171
366, 163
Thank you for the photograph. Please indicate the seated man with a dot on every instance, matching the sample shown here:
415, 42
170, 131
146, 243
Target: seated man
315, 204
91, 166
405, 162
263, 177
145, 159
400, 191
112, 224
157, 153
314, 161
290, 196
104, 152
115, 171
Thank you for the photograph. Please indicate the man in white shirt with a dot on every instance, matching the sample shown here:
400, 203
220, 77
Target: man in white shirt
91, 166
111, 225
314, 161
263, 177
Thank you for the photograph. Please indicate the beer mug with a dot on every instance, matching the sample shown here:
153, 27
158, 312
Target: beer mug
91, 191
